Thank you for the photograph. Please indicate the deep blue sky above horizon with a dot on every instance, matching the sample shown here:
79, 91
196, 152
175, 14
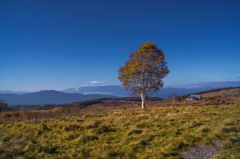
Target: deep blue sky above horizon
61, 44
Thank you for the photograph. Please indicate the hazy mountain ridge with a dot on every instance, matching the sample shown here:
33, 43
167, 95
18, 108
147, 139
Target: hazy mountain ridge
106, 91
165, 92
12, 92
48, 97
115, 90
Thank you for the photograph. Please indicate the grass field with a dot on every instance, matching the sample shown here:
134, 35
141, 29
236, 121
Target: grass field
125, 132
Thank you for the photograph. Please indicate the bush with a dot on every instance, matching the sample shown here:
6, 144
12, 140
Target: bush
105, 129
85, 153
3, 106
115, 154
45, 128
72, 137
137, 131
50, 149
230, 129
94, 125
88, 138
72, 127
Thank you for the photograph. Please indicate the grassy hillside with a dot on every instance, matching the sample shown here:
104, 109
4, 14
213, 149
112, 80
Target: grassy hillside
162, 131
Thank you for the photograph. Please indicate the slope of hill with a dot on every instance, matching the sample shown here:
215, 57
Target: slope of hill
47, 97
225, 92
161, 131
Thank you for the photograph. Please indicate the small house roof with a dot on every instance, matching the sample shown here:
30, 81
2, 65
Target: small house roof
196, 96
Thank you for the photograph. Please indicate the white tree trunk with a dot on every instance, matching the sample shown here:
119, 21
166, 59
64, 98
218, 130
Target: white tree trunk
143, 100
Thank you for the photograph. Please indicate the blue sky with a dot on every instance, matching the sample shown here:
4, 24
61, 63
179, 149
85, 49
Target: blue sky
59, 44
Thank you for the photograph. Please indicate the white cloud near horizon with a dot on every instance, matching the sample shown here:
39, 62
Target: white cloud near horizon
96, 83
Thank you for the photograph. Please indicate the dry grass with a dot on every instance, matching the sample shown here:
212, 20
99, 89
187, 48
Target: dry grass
164, 130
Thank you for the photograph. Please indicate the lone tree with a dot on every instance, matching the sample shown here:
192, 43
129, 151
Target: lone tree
144, 71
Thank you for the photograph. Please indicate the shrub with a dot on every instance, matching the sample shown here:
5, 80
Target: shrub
85, 153
45, 128
94, 125
137, 131
113, 154
72, 137
72, 127
3, 106
230, 129
105, 129
50, 149
88, 138
142, 125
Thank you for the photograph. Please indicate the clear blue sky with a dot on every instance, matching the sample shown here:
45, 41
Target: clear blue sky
57, 44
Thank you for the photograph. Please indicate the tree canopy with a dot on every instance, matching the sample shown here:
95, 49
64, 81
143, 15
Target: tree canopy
144, 70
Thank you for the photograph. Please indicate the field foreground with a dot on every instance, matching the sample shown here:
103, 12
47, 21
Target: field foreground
161, 131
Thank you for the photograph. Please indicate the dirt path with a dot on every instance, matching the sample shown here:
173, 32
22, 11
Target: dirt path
201, 152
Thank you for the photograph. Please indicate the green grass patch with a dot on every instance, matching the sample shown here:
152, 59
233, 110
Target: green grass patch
158, 132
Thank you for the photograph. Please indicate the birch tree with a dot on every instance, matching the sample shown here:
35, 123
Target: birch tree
144, 71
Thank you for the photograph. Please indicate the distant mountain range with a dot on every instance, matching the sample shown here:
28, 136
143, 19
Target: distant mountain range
104, 91
114, 90
11, 92
165, 92
48, 97
194, 88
